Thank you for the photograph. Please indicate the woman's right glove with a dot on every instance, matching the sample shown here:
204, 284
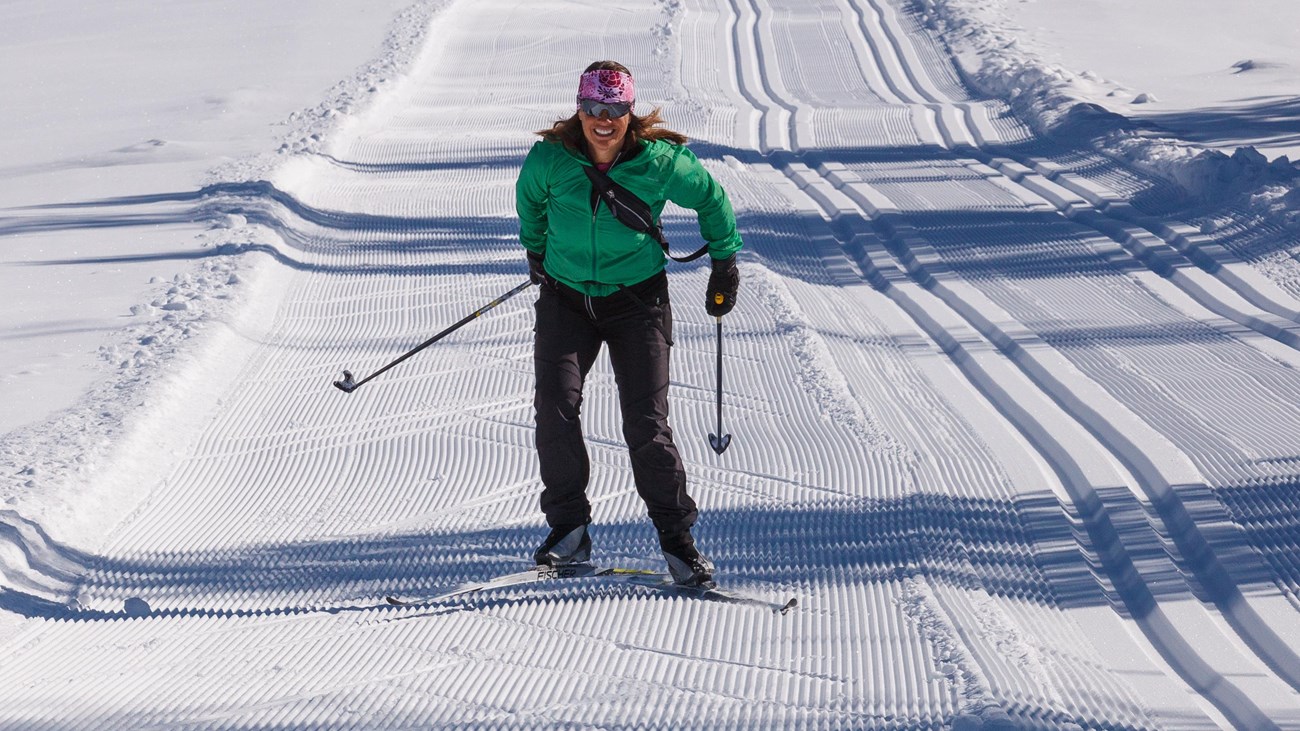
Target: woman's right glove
536, 272
723, 283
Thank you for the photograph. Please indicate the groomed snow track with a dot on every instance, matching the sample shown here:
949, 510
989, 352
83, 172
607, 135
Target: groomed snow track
1023, 443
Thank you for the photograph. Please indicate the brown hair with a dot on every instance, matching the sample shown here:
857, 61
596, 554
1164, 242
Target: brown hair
569, 131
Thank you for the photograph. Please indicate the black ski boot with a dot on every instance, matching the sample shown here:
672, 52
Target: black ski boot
686, 564
565, 545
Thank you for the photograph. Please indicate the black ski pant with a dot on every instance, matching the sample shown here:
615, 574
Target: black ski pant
636, 324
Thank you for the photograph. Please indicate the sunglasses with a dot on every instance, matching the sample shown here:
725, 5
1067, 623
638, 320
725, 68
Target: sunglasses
594, 108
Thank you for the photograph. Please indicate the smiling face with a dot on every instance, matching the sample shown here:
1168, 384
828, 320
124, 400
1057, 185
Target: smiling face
604, 135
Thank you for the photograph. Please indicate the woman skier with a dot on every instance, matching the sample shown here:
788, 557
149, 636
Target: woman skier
603, 282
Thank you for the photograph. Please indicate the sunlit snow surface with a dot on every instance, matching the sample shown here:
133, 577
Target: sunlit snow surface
1013, 417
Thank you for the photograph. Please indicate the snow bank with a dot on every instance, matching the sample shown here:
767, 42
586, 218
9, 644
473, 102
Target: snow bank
309, 129
1053, 100
185, 338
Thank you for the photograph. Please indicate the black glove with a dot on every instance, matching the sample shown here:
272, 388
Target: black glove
723, 283
536, 273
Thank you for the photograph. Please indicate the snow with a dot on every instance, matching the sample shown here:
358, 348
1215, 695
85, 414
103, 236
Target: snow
1012, 383
115, 100
1219, 74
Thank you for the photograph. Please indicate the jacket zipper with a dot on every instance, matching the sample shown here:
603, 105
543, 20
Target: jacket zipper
629, 211
595, 207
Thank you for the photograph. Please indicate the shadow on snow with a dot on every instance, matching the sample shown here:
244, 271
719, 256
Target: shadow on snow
1270, 120
1033, 549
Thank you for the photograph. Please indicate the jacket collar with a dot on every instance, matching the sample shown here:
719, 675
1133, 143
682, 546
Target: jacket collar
641, 149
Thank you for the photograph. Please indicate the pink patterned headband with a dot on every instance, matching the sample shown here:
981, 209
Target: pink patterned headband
607, 86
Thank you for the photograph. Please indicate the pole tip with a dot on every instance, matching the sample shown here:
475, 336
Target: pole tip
348, 384
719, 444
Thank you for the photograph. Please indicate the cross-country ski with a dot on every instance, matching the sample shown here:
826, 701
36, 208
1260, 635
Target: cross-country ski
640, 577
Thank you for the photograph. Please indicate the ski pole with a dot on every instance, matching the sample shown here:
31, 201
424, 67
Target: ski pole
719, 441
348, 385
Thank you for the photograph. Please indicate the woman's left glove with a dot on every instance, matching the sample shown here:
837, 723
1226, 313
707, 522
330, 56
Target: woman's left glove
536, 272
723, 284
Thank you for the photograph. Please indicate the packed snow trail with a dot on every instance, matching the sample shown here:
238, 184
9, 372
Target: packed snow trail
1023, 455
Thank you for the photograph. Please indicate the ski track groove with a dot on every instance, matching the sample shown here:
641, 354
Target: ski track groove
1256, 290
1200, 451
913, 79
1210, 451
1231, 700
396, 231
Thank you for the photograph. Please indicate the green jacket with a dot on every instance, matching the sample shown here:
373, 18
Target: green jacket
595, 253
